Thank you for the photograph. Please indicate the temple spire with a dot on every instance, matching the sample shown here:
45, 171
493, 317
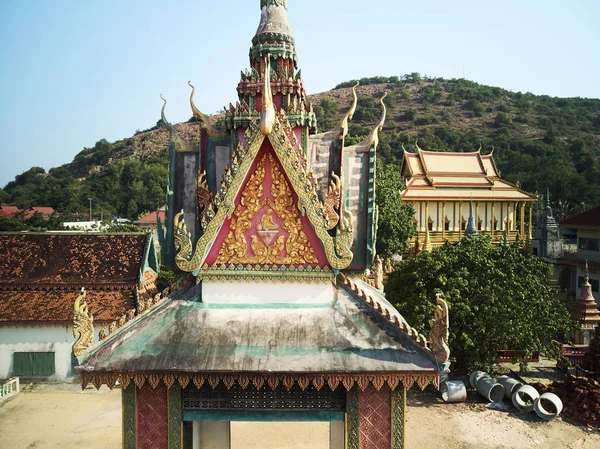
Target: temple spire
273, 18
471, 226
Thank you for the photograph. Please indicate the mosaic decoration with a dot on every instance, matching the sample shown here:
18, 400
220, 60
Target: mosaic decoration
152, 417
333, 380
83, 325
336, 249
439, 332
282, 244
398, 418
266, 273
175, 417
270, 396
353, 419
375, 418
129, 433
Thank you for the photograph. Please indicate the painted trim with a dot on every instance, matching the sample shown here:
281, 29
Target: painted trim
129, 417
353, 419
263, 416
398, 418
175, 417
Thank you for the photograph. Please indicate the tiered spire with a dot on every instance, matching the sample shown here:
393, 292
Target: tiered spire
586, 312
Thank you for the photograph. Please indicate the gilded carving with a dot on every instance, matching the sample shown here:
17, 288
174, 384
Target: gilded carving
439, 331
83, 325
203, 195
269, 244
331, 202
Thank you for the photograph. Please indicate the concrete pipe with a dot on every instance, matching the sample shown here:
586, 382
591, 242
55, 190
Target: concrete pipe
475, 376
453, 391
548, 406
510, 385
490, 389
524, 398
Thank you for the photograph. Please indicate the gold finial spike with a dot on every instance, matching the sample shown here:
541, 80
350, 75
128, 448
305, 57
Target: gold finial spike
587, 273
351, 111
374, 136
195, 110
267, 117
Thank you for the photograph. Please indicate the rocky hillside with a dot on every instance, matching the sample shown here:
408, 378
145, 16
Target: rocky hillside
543, 142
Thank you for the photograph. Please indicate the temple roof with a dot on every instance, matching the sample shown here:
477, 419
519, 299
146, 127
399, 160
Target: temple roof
37, 306
67, 259
588, 219
343, 336
455, 176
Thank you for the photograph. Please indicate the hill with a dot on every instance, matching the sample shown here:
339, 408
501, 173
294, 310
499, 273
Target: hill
540, 141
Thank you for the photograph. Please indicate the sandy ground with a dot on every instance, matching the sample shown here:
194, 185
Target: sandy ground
50, 416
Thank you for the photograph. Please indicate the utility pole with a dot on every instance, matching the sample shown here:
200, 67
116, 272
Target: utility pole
90, 208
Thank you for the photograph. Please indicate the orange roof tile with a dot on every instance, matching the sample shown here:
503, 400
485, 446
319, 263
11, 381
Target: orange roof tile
34, 306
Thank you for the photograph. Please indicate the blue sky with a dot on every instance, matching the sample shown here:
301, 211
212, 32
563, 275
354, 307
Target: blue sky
73, 72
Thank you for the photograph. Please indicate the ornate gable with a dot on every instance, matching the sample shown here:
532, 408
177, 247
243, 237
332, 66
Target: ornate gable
311, 253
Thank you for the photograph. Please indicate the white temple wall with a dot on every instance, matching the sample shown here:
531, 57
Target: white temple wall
211, 435
266, 293
454, 213
57, 339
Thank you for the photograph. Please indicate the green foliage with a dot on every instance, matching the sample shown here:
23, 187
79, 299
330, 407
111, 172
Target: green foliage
395, 226
498, 298
326, 112
166, 277
9, 224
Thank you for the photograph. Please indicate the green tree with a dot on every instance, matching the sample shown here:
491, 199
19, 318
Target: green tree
498, 298
396, 225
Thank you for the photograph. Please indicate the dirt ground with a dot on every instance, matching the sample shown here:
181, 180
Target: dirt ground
62, 416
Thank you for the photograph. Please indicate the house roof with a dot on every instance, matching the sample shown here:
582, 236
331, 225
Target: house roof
151, 217
589, 219
344, 336
43, 306
9, 211
45, 211
82, 260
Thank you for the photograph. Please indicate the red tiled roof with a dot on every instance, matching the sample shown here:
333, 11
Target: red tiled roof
591, 218
33, 306
45, 211
151, 217
81, 260
8, 211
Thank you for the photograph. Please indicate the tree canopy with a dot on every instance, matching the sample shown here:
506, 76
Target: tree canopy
498, 298
395, 225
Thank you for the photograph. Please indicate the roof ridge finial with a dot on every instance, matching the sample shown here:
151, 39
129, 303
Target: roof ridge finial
374, 136
586, 276
267, 117
350, 113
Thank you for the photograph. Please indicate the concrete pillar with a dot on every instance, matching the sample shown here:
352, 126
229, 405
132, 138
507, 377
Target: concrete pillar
337, 435
212, 435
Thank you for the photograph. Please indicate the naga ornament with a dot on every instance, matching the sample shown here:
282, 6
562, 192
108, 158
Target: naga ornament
83, 325
438, 337
331, 202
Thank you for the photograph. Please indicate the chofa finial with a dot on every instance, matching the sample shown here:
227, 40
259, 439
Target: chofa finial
350, 113
374, 136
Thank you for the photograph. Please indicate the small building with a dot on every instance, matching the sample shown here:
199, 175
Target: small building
9, 211
442, 186
41, 275
149, 221
276, 226
587, 228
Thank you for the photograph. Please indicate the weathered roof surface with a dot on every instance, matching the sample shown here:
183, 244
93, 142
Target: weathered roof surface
188, 336
588, 219
80, 259
37, 306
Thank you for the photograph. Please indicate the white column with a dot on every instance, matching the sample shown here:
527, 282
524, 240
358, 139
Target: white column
337, 435
211, 435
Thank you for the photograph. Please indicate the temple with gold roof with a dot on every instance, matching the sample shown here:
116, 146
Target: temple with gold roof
276, 226
445, 188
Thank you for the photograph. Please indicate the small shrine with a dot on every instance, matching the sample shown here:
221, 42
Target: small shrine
276, 226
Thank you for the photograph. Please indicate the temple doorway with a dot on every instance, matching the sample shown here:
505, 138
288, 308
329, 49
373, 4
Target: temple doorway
280, 435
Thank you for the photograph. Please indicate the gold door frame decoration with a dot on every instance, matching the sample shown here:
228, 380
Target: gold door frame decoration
271, 243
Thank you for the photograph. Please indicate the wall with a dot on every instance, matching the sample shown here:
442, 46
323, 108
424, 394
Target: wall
266, 293
58, 339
